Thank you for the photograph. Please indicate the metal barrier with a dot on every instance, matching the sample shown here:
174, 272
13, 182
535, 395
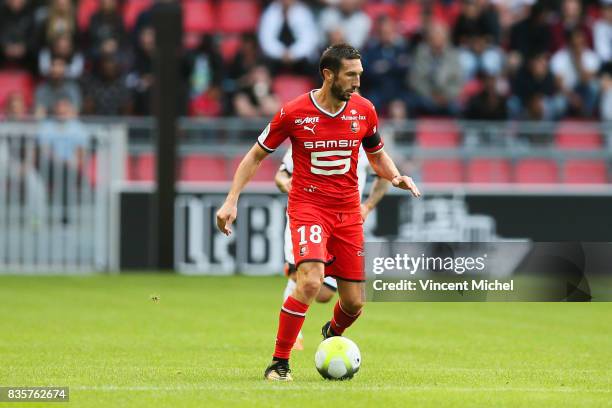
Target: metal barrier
57, 213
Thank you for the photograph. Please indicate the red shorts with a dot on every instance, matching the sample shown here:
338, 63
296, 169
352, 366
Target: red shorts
329, 236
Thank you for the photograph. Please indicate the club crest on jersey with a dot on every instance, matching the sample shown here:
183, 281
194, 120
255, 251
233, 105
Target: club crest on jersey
303, 250
355, 126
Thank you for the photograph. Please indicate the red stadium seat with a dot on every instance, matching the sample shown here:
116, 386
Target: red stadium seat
489, 171
230, 44
13, 81
585, 172
536, 171
198, 16
203, 167
572, 135
266, 170
411, 18
442, 171
447, 14
432, 133
238, 16
287, 87
86, 9
143, 168
377, 9
132, 10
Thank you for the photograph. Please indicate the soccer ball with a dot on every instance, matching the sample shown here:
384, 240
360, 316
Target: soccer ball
337, 358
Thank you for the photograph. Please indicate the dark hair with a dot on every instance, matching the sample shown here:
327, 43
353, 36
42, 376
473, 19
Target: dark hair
332, 57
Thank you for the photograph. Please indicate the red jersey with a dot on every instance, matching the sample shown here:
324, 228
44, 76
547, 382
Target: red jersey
325, 149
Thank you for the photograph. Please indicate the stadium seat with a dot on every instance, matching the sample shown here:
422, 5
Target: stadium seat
379, 9
86, 9
431, 133
535, 171
143, 168
489, 170
446, 14
266, 170
132, 10
238, 16
585, 172
198, 16
203, 167
229, 47
287, 87
442, 171
571, 135
13, 81
411, 18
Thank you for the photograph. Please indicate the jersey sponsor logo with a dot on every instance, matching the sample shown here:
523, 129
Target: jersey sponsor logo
353, 112
282, 112
310, 129
323, 144
307, 120
353, 117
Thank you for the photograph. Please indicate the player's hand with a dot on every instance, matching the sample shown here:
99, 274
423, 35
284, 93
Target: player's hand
285, 185
365, 211
226, 216
406, 183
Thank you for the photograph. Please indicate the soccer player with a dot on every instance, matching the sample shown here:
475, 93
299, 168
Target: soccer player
282, 179
326, 127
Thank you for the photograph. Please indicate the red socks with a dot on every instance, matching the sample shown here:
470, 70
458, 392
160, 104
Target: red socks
342, 320
289, 324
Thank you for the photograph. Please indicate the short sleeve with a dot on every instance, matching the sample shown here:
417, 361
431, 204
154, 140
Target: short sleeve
274, 134
372, 141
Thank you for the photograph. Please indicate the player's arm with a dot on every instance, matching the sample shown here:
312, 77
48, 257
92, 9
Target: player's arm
385, 168
377, 192
246, 170
283, 180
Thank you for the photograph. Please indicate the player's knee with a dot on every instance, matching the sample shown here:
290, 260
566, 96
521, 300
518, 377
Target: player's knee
325, 294
353, 306
309, 287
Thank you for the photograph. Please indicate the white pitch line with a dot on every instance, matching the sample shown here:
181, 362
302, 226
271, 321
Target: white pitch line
293, 387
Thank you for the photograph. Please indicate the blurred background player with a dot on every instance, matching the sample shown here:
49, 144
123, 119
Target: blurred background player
283, 181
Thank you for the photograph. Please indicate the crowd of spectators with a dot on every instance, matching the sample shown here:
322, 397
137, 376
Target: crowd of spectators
478, 59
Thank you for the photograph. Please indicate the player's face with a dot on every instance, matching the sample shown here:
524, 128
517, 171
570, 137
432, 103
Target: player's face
348, 79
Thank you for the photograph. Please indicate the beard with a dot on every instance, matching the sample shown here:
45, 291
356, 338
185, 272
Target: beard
341, 94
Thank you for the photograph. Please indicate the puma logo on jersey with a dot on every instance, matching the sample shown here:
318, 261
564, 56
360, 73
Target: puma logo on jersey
311, 129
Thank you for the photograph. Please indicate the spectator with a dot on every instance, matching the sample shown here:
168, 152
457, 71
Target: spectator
288, 35
205, 78
247, 57
387, 60
571, 19
345, 23
436, 74
605, 108
256, 99
575, 67
489, 104
535, 84
476, 18
479, 56
140, 80
105, 90
63, 134
56, 87
60, 19
530, 36
16, 31
62, 47
106, 32
15, 107
602, 32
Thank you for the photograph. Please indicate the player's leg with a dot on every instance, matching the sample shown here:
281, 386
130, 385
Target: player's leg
328, 290
309, 234
346, 245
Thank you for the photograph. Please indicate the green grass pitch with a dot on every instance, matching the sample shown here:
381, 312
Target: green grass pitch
207, 340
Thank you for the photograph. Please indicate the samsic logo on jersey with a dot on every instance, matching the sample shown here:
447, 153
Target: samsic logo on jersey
307, 121
325, 144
